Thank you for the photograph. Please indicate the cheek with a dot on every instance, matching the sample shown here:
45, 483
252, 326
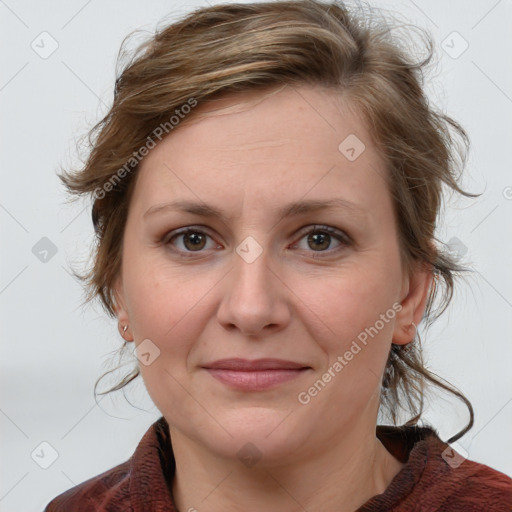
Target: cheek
355, 317
348, 302
168, 306
170, 312
354, 333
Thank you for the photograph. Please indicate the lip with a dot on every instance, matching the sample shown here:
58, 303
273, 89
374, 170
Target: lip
238, 364
255, 375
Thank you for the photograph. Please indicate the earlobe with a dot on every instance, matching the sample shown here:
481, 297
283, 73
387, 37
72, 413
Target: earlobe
120, 310
413, 305
125, 333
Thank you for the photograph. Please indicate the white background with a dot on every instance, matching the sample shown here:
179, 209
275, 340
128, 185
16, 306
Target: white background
53, 350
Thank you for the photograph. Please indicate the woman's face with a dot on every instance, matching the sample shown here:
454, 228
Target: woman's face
300, 263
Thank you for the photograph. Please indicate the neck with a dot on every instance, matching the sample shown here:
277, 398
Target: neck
342, 476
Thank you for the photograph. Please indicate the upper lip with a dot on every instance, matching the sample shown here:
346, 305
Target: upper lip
238, 364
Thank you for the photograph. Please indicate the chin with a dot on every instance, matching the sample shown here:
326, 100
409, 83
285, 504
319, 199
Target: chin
252, 435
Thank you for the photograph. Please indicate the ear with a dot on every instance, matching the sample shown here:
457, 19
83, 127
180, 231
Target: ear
119, 306
415, 292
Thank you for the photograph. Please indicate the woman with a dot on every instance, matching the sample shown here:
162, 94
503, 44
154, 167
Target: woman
266, 188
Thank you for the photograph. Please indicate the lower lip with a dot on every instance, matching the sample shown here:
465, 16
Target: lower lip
255, 380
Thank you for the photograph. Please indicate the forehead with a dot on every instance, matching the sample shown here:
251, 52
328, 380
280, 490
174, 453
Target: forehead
270, 146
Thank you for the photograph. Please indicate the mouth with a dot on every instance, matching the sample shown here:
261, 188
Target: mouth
256, 375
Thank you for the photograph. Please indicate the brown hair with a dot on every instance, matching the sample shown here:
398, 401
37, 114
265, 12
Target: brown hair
231, 48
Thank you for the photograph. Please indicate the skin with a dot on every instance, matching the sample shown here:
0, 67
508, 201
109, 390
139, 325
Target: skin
249, 155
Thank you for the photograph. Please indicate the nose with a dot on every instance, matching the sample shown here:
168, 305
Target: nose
254, 298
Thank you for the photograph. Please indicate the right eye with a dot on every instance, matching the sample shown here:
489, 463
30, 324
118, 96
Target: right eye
189, 240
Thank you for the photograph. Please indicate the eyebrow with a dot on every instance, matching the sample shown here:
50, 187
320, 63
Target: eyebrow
292, 209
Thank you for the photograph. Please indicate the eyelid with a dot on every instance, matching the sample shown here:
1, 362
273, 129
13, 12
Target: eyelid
183, 231
326, 229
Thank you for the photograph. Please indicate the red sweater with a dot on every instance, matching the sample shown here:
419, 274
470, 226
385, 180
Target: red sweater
426, 483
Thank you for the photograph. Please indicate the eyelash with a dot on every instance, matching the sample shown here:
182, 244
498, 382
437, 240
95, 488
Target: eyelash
344, 239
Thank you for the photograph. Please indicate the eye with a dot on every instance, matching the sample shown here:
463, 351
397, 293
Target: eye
190, 240
320, 239
316, 239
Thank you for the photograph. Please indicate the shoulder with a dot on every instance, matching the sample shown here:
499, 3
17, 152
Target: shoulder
474, 487
110, 488
134, 485
453, 483
436, 477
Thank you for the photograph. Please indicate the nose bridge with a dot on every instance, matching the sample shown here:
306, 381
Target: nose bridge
252, 275
252, 300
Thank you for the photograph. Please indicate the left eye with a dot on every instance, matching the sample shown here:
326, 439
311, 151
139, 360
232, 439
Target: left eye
320, 238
